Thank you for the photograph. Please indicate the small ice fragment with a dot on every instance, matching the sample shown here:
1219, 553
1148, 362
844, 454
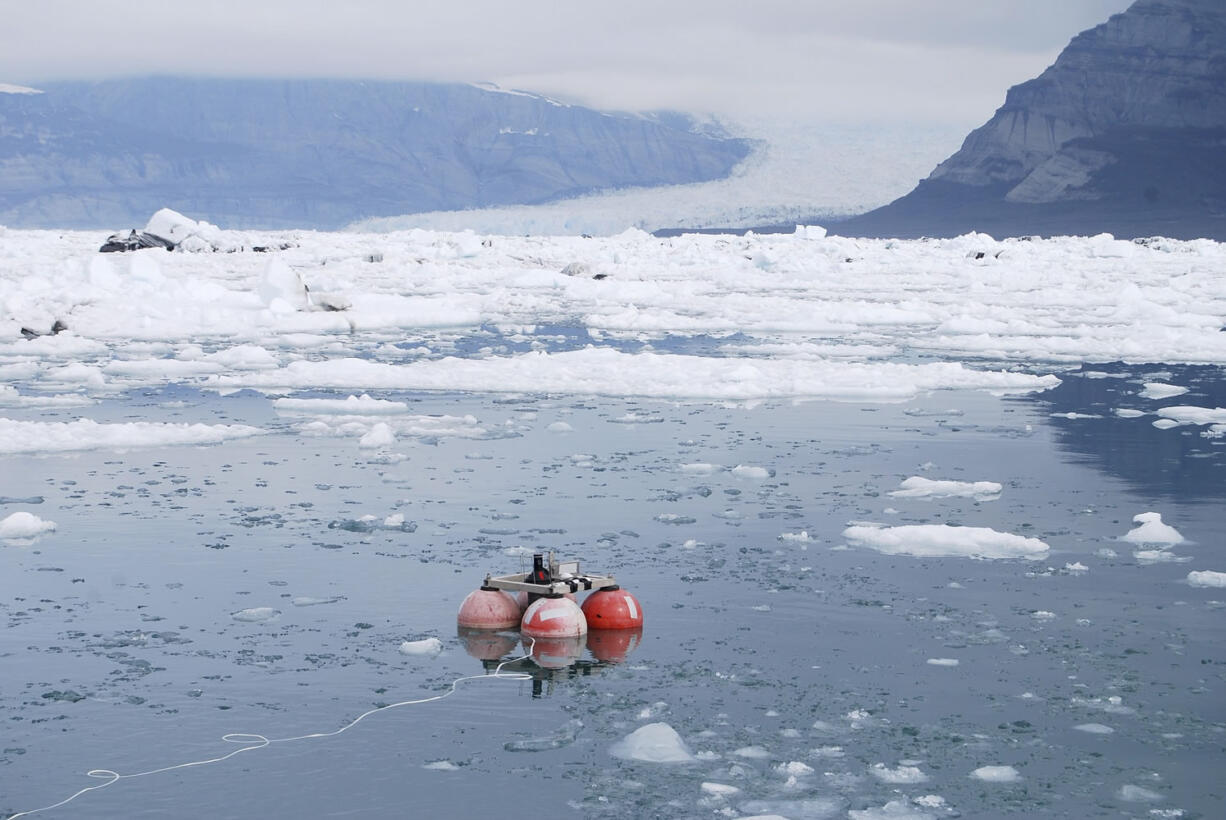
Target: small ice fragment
1043, 615
1128, 413
1159, 390
893, 810
1137, 794
942, 661
653, 743
751, 472
423, 648
1165, 424
556, 740
919, 487
24, 525
306, 600
1076, 567
441, 766
803, 535
719, 789
1207, 578
1151, 530
899, 775
794, 768
560, 427
752, 752
380, 435
997, 774
1094, 729
255, 615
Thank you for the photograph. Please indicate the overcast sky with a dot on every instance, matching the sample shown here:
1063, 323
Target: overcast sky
938, 61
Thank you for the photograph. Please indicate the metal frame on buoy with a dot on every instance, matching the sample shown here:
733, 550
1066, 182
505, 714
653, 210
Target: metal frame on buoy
558, 578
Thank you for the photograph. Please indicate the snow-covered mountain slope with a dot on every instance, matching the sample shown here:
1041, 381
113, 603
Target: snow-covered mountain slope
321, 153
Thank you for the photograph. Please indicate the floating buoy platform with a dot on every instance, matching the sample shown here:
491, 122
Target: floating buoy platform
545, 608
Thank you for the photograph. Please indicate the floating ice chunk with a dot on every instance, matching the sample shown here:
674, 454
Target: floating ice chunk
794, 768
441, 766
281, 287
802, 536
699, 468
919, 487
1151, 530
1159, 556
1072, 416
750, 472
560, 427
427, 647
1043, 615
815, 808
1165, 424
1128, 413
564, 736
899, 775
256, 614
22, 525
1160, 390
307, 600
1094, 729
362, 405
1185, 414
1196, 578
84, 434
1076, 567
653, 743
1137, 794
380, 435
893, 810
946, 541
942, 661
719, 789
752, 753
997, 774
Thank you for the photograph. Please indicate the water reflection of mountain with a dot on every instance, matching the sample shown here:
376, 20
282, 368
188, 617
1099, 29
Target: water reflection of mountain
1178, 462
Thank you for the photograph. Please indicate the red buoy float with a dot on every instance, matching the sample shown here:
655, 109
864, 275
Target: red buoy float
613, 608
488, 608
554, 616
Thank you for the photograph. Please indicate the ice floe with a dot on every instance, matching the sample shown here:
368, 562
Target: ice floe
1160, 390
85, 434
920, 487
1196, 578
1151, 530
23, 525
898, 775
653, 743
424, 648
946, 541
997, 774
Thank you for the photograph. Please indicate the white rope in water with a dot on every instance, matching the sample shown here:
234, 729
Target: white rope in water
254, 741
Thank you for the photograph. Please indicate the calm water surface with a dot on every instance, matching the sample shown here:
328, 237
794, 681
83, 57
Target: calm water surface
121, 649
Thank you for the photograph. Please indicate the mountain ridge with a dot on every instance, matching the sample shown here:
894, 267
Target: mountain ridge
1123, 133
321, 153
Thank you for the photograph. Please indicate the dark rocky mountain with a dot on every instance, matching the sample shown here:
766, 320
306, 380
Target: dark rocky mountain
1124, 133
320, 153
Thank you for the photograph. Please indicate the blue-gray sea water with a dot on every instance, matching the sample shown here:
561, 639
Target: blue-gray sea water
121, 649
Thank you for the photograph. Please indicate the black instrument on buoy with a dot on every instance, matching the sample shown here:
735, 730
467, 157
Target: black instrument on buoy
545, 605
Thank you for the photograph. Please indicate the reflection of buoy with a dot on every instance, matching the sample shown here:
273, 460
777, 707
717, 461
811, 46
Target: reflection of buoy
613, 645
485, 645
554, 617
556, 653
613, 608
488, 608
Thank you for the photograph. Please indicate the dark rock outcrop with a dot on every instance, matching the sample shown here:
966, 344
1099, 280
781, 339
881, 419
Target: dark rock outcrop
1125, 133
320, 153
